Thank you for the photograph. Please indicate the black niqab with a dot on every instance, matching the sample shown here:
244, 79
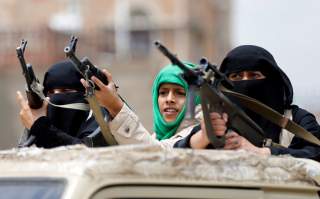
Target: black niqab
275, 90
63, 75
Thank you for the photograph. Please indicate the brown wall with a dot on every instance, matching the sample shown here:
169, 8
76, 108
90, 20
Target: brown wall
190, 28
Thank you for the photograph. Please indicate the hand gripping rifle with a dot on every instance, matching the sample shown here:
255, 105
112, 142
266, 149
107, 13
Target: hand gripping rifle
33, 90
213, 100
87, 70
33, 84
261, 109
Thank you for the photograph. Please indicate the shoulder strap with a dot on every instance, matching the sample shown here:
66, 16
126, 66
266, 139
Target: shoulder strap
99, 117
273, 116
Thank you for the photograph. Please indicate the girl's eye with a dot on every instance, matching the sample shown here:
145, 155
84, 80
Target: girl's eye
182, 93
162, 92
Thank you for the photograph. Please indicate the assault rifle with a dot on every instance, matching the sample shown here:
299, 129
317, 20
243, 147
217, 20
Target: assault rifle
87, 70
33, 90
84, 66
32, 86
213, 100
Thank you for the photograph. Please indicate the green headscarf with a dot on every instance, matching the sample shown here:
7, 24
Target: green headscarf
169, 74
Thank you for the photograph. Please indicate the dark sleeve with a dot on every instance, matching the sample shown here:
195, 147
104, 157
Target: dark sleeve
49, 136
299, 147
91, 135
185, 142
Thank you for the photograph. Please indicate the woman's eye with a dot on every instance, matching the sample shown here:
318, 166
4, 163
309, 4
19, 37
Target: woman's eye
258, 75
50, 92
235, 76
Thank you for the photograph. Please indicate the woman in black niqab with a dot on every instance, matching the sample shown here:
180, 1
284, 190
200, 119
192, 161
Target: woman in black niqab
274, 90
64, 78
57, 126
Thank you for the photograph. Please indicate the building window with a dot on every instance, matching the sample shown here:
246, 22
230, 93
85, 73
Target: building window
139, 33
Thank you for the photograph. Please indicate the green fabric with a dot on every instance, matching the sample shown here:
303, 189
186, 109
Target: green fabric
169, 74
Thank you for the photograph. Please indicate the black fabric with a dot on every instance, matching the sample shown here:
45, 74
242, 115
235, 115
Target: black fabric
268, 92
67, 120
250, 57
62, 75
275, 90
63, 126
299, 147
185, 142
49, 136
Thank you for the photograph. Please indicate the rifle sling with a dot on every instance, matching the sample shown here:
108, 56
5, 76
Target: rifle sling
273, 116
100, 119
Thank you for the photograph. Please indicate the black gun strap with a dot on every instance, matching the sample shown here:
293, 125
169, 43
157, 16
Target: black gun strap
273, 116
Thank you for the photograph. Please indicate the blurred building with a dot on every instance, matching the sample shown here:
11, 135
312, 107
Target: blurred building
117, 34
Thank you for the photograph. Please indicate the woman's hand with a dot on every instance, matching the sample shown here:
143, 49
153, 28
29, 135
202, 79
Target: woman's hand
27, 115
107, 96
235, 141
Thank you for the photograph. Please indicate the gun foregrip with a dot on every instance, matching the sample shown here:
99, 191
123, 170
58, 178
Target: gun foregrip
94, 71
35, 102
100, 75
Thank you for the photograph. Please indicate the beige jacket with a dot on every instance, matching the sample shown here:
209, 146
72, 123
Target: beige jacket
127, 129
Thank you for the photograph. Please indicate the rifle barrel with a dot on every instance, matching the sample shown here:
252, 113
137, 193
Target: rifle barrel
174, 60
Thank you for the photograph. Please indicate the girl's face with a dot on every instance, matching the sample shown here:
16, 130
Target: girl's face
171, 99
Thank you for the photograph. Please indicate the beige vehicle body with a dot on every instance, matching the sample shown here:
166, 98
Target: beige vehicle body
152, 172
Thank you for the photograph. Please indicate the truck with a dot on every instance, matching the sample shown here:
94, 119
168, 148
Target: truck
148, 171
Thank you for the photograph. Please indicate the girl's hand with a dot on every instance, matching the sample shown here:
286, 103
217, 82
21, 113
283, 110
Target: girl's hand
107, 96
